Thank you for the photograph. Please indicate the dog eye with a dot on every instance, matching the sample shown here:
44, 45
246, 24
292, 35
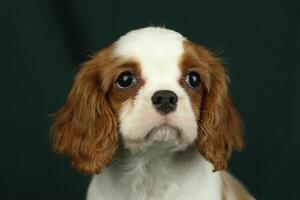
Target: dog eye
193, 79
125, 80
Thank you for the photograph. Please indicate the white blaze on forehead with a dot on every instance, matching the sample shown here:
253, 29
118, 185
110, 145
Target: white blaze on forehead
158, 51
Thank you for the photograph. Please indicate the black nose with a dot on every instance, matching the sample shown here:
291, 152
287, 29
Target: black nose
165, 101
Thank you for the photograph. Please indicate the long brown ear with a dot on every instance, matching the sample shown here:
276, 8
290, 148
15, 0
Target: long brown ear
85, 127
220, 129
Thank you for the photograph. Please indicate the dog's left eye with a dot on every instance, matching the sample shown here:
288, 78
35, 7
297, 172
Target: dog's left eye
125, 80
193, 79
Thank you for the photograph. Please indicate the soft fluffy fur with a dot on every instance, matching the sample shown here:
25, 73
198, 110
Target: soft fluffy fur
135, 152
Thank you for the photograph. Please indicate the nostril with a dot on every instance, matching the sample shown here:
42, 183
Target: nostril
156, 100
173, 100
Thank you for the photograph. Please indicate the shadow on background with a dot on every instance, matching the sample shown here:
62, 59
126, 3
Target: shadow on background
43, 43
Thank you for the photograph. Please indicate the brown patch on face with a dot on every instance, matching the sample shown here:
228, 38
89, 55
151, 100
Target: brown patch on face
219, 123
85, 128
190, 62
118, 96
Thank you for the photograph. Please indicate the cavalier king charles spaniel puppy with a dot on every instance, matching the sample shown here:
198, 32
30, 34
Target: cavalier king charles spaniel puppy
151, 117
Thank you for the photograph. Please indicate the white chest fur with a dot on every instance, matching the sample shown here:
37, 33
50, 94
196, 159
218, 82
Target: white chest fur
157, 174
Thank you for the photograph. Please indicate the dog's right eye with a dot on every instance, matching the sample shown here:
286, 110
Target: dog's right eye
125, 80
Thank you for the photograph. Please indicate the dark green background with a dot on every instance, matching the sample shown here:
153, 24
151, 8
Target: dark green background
43, 42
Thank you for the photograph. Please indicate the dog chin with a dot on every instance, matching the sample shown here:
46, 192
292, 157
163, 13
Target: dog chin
163, 133
164, 137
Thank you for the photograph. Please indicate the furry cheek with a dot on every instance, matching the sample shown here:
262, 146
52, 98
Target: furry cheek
136, 119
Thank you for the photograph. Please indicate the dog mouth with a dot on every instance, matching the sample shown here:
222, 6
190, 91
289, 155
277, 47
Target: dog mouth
163, 133
164, 137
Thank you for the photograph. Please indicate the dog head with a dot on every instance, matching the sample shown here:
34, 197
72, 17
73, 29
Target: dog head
151, 86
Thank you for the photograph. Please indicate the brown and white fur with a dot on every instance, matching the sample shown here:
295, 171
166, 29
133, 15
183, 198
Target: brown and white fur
136, 152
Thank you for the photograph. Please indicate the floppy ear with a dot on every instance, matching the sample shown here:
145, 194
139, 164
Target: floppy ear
85, 128
220, 129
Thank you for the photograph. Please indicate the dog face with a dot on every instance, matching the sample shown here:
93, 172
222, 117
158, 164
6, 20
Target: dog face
151, 86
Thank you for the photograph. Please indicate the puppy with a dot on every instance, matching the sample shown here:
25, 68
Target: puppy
151, 117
